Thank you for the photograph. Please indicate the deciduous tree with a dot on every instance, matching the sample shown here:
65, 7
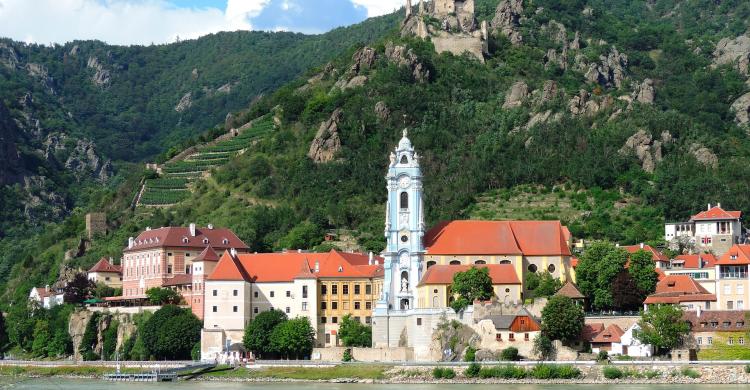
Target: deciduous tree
79, 289
257, 338
353, 333
597, 268
562, 319
293, 338
171, 333
643, 271
472, 284
662, 326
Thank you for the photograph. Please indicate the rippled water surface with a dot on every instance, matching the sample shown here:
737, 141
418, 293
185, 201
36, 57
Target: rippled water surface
55, 383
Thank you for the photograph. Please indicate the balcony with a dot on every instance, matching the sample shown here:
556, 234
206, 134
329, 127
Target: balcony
733, 272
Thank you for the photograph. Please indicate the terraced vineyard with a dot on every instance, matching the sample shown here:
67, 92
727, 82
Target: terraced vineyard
173, 185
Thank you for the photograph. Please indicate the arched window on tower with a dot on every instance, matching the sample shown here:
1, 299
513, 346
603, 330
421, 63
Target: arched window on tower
404, 203
404, 159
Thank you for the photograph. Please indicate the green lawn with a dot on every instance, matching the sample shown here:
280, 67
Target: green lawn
306, 373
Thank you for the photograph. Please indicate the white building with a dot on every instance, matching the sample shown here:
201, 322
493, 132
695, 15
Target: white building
46, 297
631, 346
714, 230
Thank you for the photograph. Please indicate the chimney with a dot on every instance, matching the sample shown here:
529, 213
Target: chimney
709, 206
192, 230
148, 228
617, 245
210, 226
317, 266
370, 259
377, 262
718, 205
642, 245
698, 311
233, 253
299, 250
46, 288
130, 242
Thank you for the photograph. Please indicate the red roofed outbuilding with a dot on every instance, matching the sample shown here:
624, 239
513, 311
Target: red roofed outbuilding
106, 273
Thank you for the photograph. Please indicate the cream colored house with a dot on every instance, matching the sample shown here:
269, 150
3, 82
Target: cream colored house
106, 273
434, 290
324, 287
733, 285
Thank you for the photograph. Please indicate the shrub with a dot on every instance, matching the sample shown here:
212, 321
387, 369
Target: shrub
195, 353
509, 354
347, 355
437, 372
488, 372
690, 373
602, 356
473, 370
568, 372
544, 371
449, 373
610, 372
443, 372
747, 368
651, 374
511, 372
471, 354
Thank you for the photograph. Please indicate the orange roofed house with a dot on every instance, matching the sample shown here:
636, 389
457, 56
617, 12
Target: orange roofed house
714, 230
519, 246
174, 257
732, 283
107, 273
323, 287
681, 290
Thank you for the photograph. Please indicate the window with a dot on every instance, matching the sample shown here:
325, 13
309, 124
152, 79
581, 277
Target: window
368, 320
322, 320
419, 321
699, 340
334, 320
328, 337
404, 202
214, 309
730, 340
455, 262
434, 291
356, 305
551, 268
335, 289
368, 289
356, 289
511, 337
271, 294
323, 305
499, 337
480, 262
287, 310
288, 293
404, 238
404, 160
507, 290
187, 269
710, 340
235, 293
741, 340
730, 305
357, 319
234, 309
255, 294
304, 292
169, 268
430, 264
526, 337
740, 304
345, 289
304, 306
216, 293
334, 305
532, 268
368, 305
255, 310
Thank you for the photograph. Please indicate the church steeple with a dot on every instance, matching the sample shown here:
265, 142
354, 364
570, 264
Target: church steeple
404, 227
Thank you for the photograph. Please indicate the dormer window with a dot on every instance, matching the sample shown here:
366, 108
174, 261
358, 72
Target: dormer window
341, 269
184, 240
404, 159
733, 256
404, 200
670, 283
205, 240
225, 241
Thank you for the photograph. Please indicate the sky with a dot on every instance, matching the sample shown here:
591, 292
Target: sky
126, 22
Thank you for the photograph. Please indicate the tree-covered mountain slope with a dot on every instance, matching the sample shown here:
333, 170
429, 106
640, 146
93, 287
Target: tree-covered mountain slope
613, 116
71, 115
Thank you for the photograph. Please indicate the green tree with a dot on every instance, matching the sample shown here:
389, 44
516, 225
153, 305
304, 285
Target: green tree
303, 236
21, 325
470, 285
543, 346
293, 338
90, 338
625, 293
163, 296
171, 333
353, 333
41, 338
257, 337
546, 285
103, 291
562, 319
4, 340
597, 269
662, 326
643, 271
61, 343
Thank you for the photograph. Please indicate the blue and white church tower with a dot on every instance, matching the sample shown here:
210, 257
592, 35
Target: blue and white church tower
404, 230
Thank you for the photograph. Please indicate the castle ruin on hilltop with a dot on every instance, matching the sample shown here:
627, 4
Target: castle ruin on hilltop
450, 25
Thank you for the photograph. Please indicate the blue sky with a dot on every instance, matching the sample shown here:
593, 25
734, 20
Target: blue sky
162, 21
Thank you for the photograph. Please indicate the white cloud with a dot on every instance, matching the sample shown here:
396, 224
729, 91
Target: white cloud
381, 7
119, 21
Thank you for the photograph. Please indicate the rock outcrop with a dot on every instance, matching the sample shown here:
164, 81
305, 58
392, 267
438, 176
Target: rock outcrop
608, 72
507, 20
102, 76
734, 51
741, 108
84, 161
550, 90
644, 92
8, 56
402, 56
646, 149
363, 59
40, 73
704, 155
185, 102
517, 95
327, 141
11, 170
382, 111
77, 327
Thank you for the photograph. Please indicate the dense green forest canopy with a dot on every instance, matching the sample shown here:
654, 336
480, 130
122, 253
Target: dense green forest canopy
475, 153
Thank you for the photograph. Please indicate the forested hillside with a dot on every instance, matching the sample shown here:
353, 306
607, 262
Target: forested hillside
613, 116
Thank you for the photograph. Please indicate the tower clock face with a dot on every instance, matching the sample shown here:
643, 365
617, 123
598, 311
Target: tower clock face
404, 181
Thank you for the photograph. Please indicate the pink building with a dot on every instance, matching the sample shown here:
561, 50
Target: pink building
175, 257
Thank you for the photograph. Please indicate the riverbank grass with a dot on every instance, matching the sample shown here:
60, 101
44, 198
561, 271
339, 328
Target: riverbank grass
72, 371
303, 373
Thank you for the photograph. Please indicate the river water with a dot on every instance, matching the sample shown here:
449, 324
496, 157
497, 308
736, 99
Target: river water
56, 383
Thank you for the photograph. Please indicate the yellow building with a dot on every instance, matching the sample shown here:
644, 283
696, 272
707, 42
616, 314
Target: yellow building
434, 290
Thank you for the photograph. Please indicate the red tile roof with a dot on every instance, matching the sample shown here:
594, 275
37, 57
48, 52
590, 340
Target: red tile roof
717, 320
570, 290
42, 292
178, 280
674, 289
655, 254
285, 267
208, 254
610, 335
179, 237
589, 331
530, 238
738, 254
716, 212
704, 260
103, 265
443, 274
